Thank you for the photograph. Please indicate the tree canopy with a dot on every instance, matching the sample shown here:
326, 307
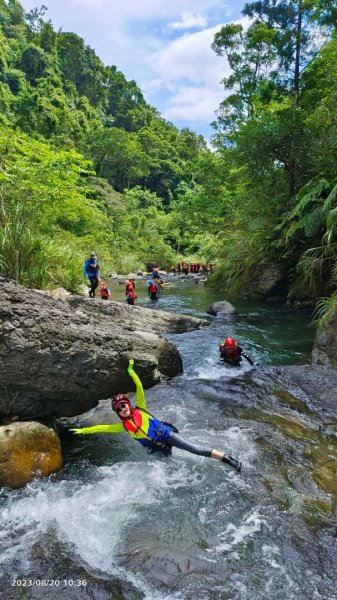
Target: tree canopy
86, 162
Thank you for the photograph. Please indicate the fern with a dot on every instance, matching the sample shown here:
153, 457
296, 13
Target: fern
325, 310
316, 188
313, 222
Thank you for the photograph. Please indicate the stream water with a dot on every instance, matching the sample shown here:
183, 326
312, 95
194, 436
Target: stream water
121, 524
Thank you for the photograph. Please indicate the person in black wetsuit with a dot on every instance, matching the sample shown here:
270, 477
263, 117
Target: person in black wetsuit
91, 270
231, 353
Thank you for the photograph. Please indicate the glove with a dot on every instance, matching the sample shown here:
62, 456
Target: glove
78, 431
131, 363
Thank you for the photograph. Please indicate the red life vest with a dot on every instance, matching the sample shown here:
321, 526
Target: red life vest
135, 424
105, 293
153, 288
132, 295
231, 356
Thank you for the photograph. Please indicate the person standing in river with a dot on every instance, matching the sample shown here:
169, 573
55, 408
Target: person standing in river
131, 297
152, 433
153, 290
104, 291
130, 285
91, 270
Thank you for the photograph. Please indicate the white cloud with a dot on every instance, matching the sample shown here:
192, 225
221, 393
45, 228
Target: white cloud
194, 104
191, 72
188, 21
190, 57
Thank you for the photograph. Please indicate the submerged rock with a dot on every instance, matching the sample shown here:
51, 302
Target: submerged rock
27, 450
222, 308
60, 358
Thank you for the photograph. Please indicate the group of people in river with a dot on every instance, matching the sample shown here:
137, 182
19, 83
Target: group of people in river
152, 433
186, 267
91, 270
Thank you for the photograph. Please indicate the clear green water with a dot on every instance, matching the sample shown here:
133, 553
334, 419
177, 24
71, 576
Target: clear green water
271, 333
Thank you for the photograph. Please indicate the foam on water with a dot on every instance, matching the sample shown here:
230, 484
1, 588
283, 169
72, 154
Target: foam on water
235, 535
213, 369
91, 516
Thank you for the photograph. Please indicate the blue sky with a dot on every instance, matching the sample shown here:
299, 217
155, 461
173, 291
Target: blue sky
164, 45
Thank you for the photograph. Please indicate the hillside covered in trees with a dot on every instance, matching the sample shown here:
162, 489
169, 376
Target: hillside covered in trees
86, 162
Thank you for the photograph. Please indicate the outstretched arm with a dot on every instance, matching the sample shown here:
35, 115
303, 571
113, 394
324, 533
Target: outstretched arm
140, 397
247, 358
113, 428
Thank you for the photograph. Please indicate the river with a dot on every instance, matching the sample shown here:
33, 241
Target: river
119, 523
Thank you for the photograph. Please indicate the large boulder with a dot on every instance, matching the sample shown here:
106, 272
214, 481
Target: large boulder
28, 450
222, 308
58, 359
325, 347
136, 318
266, 281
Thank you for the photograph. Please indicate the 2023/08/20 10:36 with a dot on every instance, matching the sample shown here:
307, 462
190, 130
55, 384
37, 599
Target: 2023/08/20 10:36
48, 582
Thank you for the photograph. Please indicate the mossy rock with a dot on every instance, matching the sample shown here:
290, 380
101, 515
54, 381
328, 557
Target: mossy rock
28, 450
315, 511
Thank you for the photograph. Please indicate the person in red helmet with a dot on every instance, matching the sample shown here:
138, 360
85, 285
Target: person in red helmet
152, 433
231, 353
131, 297
104, 291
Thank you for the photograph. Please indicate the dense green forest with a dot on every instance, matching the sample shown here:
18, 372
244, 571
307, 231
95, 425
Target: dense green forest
87, 163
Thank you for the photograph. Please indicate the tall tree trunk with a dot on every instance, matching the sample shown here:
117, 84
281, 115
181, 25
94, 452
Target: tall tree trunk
298, 54
292, 174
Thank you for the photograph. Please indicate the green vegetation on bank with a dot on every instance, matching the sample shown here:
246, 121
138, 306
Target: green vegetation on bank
86, 163
277, 130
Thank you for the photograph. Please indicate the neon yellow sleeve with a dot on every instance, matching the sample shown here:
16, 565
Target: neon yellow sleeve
113, 428
140, 397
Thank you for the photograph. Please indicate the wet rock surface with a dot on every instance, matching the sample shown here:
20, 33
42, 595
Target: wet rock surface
315, 385
58, 575
325, 348
210, 529
58, 358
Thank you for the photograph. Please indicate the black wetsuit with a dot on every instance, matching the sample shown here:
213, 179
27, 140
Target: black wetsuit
235, 360
174, 440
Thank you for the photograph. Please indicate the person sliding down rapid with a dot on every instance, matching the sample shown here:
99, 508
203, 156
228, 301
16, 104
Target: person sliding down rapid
149, 431
231, 353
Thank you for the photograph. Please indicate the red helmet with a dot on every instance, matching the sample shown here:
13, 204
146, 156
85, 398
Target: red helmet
231, 343
118, 399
